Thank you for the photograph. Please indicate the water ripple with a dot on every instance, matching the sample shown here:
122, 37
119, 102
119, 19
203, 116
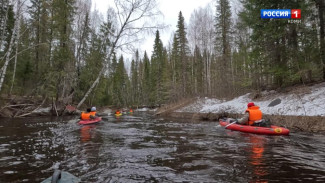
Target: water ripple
144, 149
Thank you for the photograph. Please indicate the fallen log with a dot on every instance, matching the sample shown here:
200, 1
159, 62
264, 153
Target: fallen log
29, 113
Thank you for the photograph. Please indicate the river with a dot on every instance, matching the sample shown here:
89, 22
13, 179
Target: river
141, 148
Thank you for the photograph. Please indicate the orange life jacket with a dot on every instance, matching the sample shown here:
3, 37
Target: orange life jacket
93, 113
117, 112
85, 115
255, 114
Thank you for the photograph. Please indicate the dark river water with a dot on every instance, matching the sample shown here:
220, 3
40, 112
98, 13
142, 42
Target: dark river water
141, 148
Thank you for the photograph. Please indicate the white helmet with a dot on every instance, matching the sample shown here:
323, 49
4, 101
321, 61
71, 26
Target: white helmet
93, 109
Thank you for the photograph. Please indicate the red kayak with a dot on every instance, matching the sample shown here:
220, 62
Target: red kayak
90, 121
273, 130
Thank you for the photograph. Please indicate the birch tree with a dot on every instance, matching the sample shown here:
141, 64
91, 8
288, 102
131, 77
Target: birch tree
11, 44
81, 30
4, 11
16, 53
134, 17
201, 38
321, 15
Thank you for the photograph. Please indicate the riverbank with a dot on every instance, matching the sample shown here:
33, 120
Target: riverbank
314, 124
299, 108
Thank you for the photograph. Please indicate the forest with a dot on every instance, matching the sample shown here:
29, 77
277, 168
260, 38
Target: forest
66, 52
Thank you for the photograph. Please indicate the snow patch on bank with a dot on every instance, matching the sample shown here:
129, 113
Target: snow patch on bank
297, 104
145, 109
43, 110
142, 109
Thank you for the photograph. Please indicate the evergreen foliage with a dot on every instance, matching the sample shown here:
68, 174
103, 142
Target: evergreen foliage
62, 49
223, 47
279, 54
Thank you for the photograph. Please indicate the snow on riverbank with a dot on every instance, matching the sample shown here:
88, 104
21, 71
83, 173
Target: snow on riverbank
145, 109
304, 101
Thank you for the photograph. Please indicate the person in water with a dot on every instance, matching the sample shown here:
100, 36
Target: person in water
253, 116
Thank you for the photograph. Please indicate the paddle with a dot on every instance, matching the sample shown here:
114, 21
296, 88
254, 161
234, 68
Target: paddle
230, 124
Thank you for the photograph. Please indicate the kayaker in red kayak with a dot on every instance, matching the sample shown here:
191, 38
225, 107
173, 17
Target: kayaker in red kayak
85, 115
90, 114
253, 116
93, 112
117, 112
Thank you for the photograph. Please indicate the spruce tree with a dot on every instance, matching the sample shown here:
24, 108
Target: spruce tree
157, 64
39, 19
176, 68
166, 80
146, 80
198, 72
222, 45
183, 52
278, 56
63, 56
25, 82
93, 62
119, 84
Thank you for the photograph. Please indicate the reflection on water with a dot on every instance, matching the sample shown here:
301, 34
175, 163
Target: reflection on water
85, 132
144, 149
257, 160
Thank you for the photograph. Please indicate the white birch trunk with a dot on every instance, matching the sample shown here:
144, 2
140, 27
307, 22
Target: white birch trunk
208, 72
4, 67
104, 68
3, 26
128, 13
12, 39
16, 54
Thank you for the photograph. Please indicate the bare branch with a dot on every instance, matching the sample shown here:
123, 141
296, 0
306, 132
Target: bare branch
133, 17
